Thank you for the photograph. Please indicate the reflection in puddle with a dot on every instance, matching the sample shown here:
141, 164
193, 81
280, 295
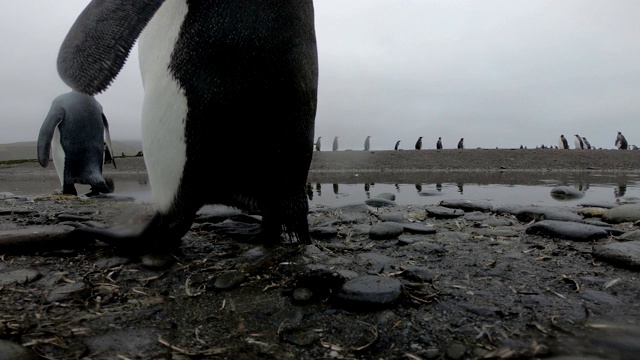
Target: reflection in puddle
497, 194
527, 190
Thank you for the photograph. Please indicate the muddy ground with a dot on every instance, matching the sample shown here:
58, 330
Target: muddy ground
464, 295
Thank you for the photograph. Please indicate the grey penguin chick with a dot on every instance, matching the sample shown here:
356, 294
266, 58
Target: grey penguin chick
76, 129
216, 74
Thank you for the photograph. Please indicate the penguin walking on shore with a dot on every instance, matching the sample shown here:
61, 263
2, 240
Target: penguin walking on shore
621, 142
563, 143
367, 143
586, 143
578, 142
318, 143
215, 74
335, 144
461, 143
397, 145
419, 143
77, 131
439, 144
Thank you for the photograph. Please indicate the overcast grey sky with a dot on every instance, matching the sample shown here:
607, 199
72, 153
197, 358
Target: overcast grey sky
498, 73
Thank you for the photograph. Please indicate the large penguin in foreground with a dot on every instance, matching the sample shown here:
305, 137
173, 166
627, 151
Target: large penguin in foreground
216, 74
77, 130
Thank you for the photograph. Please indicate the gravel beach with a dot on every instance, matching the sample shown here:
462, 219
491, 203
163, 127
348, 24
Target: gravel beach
450, 280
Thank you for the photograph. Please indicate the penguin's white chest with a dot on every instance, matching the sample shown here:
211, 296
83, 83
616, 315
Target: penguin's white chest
58, 155
164, 109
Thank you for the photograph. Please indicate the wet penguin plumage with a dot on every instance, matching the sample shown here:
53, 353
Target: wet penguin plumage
439, 143
212, 71
76, 130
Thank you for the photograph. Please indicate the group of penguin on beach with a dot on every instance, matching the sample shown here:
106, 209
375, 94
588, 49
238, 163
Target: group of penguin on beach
580, 143
367, 144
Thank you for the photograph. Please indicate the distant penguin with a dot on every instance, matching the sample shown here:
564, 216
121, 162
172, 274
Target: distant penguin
621, 142
586, 143
563, 143
215, 74
419, 143
77, 131
439, 143
335, 144
397, 145
367, 143
318, 143
461, 143
578, 142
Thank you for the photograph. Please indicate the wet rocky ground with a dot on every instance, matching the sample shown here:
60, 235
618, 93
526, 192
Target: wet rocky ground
450, 280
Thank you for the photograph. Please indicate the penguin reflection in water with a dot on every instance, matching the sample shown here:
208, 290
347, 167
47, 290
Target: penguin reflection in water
77, 131
212, 71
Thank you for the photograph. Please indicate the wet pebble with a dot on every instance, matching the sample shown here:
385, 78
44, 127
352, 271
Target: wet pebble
385, 230
379, 202
14, 211
547, 213
567, 230
622, 213
229, 280
467, 205
417, 273
66, 292
414, 228
388, 196
38, 238
626, 254
592, 211
349, 218
299, 336
72, 217
630, 236
20, 276
395, 216
456, 351
566, 193
497, 232
12, 351
476, 216
370, 291
496, 222
440, 212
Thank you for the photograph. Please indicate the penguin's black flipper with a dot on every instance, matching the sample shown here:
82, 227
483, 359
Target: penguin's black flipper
99, 42
54, 117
